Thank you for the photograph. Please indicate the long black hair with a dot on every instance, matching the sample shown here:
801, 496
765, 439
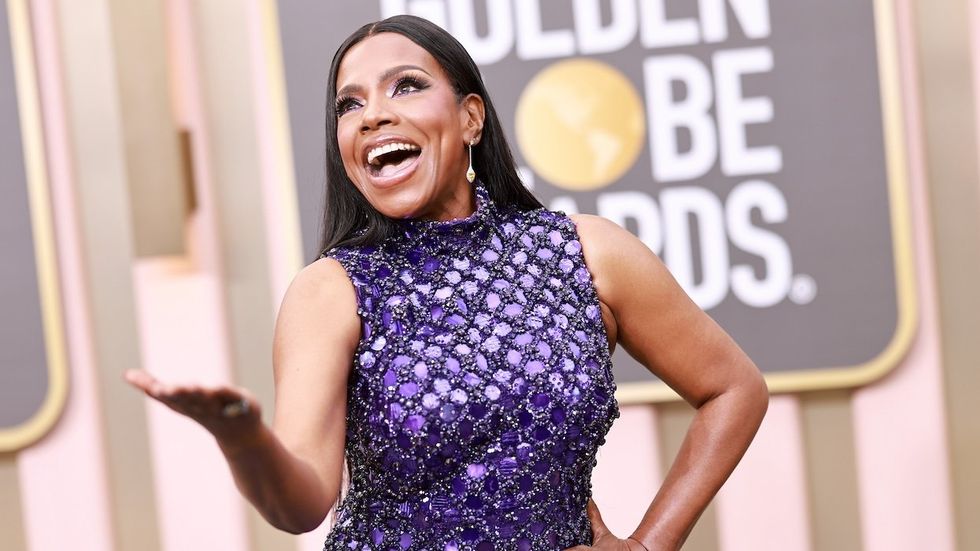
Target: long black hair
348, 218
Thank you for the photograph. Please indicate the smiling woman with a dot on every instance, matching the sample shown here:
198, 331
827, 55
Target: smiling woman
402, 123
402, 82
453, 341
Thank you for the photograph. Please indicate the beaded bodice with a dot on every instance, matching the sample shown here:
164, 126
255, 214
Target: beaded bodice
481, 387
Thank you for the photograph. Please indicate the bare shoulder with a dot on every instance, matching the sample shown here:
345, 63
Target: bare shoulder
596, 234
603, 239
615, 257
592, 227
323, 276
321, 298
600, 239
323, 283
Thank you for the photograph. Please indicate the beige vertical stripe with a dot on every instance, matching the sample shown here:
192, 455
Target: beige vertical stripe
226, 79
828, 436
98, 151
153, 162
286, 256
951, 147
627, 475
11, 517
674, 419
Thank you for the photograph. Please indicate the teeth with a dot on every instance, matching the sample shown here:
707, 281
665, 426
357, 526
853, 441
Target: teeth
388, 148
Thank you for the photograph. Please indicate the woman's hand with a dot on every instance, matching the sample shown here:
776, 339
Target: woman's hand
291, 470
602, 538
231, 414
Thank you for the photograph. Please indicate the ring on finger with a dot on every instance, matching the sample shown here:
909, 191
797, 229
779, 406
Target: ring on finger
235, 409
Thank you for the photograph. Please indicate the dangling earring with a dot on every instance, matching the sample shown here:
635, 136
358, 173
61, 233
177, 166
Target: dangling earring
470, 173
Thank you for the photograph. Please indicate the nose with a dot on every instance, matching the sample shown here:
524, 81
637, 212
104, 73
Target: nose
376, 114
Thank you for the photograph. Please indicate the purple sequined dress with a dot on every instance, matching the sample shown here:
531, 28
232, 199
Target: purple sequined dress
481, 387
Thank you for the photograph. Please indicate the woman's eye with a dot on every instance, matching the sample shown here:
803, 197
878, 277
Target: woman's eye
408, 85
344, 105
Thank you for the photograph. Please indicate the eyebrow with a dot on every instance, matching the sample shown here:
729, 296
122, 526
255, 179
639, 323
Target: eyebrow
354, 88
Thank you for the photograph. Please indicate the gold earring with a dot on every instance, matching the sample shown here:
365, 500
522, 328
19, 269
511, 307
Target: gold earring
470, 173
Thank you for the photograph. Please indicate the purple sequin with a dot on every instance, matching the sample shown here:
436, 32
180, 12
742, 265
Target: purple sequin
481, 387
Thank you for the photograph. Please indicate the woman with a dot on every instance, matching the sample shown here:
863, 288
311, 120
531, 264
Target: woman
454, 337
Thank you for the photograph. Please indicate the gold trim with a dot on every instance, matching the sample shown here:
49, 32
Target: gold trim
895, 161
13, 438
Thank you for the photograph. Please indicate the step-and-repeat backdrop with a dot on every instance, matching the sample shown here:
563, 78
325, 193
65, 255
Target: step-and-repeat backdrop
754, 145
750, 144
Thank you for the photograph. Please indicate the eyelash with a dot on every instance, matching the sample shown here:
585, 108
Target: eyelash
416, 82
345, 103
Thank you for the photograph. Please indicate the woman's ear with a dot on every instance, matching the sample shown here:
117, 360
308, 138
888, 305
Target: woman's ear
473, 115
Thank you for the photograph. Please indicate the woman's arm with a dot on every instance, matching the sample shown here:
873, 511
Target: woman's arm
659, 325
292, 471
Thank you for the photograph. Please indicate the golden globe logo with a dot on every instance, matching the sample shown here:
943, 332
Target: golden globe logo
580, 124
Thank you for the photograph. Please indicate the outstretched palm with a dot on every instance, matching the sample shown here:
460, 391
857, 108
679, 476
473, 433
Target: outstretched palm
229, 413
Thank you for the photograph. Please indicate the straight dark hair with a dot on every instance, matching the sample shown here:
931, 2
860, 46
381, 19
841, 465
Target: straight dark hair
348, 218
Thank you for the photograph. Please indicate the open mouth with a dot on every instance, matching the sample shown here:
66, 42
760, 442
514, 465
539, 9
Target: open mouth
390, 159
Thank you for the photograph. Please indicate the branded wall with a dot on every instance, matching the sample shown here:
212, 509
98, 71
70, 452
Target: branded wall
744, 141
161, 156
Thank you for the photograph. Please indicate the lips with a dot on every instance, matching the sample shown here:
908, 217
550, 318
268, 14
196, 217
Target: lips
376, 154
391, 159
376, 145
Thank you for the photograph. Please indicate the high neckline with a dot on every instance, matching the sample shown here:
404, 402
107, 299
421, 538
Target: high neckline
482, 215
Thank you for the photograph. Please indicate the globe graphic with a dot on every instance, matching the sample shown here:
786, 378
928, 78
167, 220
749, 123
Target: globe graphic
580, 124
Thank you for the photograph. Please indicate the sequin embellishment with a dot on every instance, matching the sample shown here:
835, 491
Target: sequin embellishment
481, 388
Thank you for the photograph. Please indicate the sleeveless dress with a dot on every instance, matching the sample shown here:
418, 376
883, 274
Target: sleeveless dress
481, 387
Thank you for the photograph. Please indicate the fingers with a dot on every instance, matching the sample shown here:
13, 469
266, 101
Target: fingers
142, 380
174, 397
599, 528
149, 384
155, 388
196, 401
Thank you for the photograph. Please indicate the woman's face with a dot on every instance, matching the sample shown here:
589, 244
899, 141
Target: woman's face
402, 133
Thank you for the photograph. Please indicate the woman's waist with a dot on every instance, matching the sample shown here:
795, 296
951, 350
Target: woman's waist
456, 501
461, 522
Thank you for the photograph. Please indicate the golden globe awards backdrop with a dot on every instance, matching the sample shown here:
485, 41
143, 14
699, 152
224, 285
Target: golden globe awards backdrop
754, 145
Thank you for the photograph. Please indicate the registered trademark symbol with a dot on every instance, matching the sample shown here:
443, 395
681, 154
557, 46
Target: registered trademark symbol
803, 289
